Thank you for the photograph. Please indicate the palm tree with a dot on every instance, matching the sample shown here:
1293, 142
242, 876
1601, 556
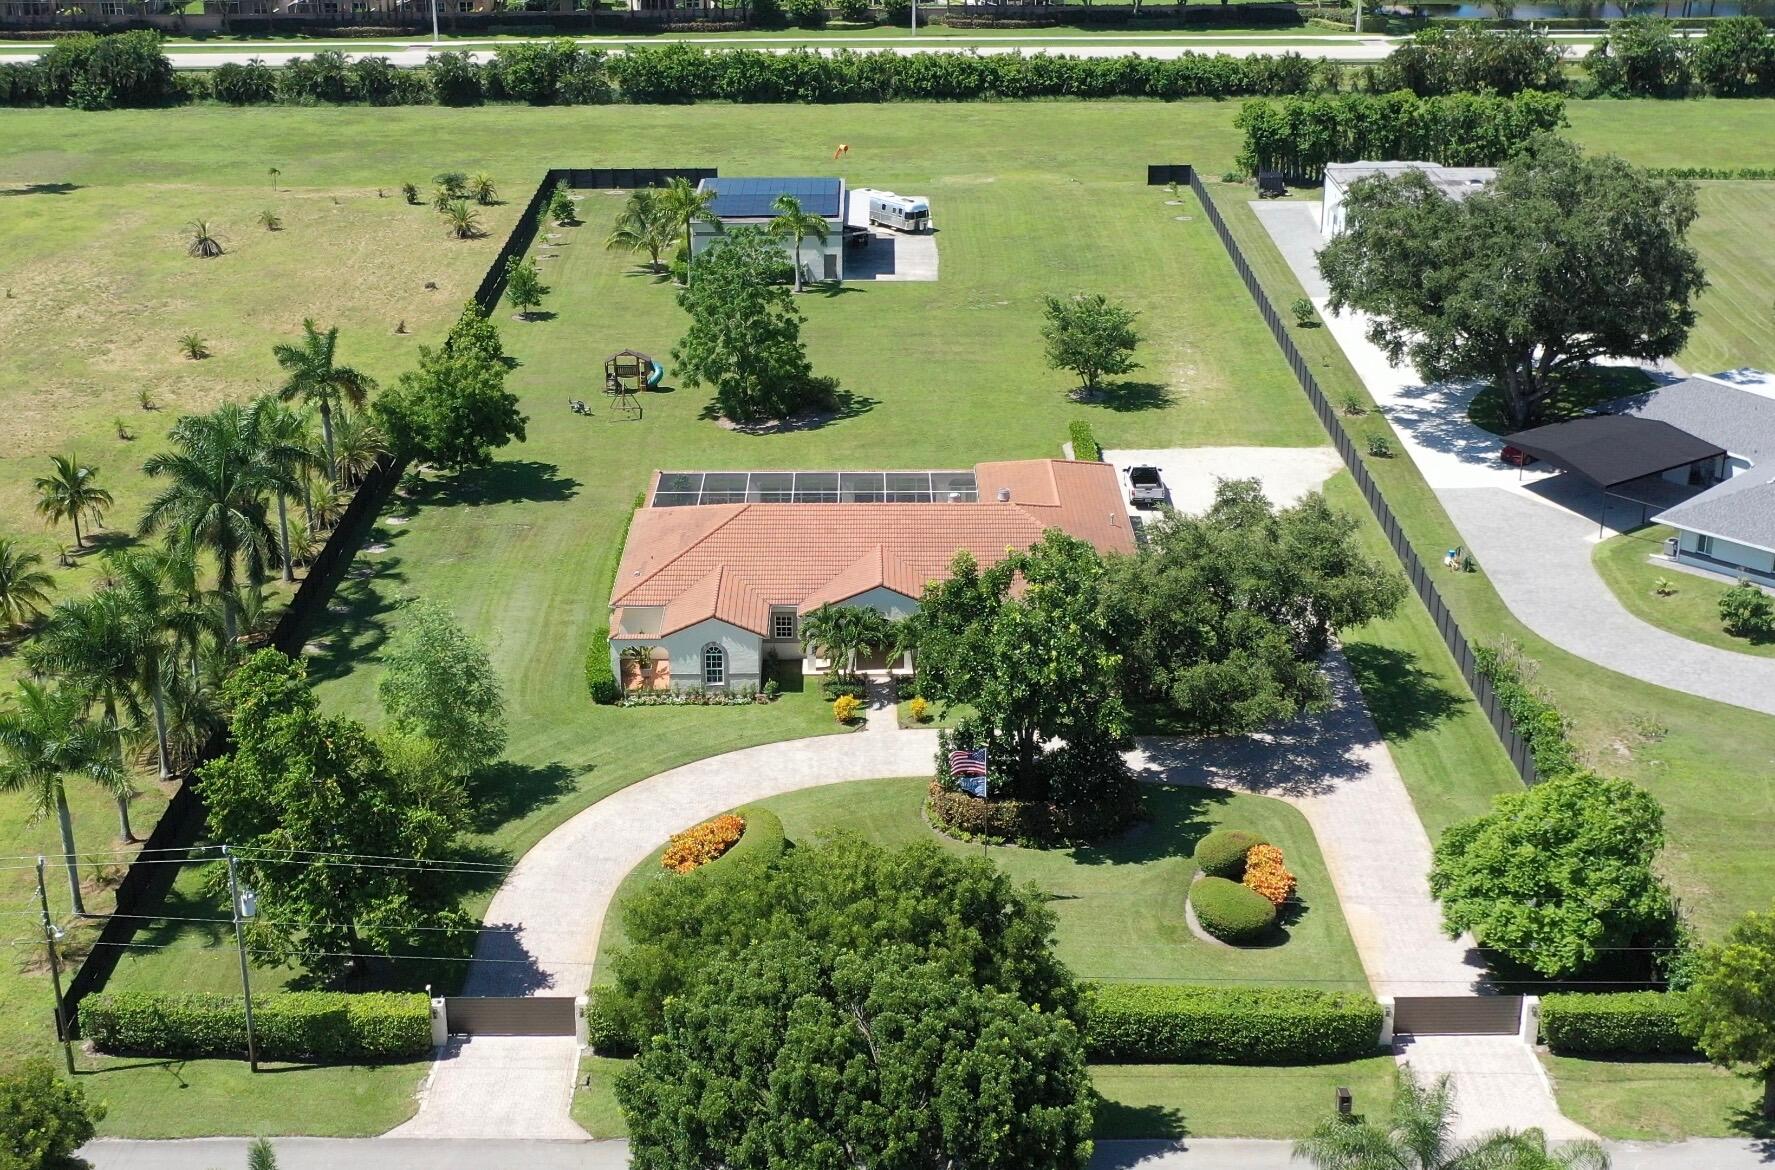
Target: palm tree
215, 495
283, 446
1420, 1136
319, 381
684, 205
361, 441
844, 631
24, 588
45, 738
792, 223
645, 224
153, 597
70, 492
100, 647
204, 245
462, 220
482, 188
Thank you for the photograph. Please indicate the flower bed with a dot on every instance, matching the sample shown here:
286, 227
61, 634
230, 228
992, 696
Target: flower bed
738, 696
700, 845
1266, 874
1030, 822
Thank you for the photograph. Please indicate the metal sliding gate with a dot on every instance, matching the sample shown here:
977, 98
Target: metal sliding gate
1457, 1015
536, 1015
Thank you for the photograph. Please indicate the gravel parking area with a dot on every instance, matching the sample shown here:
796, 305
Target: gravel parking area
1191, 473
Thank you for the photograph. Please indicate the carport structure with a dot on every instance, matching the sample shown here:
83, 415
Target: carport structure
1627, 457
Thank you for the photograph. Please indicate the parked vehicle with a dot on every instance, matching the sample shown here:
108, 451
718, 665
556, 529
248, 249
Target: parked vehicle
1515, 456
1145, 488
903, 213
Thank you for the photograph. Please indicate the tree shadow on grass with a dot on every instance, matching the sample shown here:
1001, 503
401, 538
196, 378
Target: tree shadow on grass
357, 618
846, 405
1127, 397
506, 791
1402, 696
508, 481
41, 189
1115, 1121
1175, 820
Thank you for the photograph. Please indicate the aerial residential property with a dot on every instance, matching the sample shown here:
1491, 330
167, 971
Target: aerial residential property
1013, 586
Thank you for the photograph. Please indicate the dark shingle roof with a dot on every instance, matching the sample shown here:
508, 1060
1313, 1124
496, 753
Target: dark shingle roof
752, 198
1608, 449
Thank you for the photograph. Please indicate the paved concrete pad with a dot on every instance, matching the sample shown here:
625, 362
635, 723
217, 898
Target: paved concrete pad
1499, 1084
499, 1086
891, 255
1192, 473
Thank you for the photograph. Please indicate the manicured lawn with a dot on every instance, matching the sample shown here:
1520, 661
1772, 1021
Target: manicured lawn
1737, 325
1142, 1100
1691, 608
147, 1098
1120, 904
1662, 1100
1704, 761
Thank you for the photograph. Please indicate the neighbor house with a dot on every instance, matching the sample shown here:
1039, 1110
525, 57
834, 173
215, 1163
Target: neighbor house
752, 203
720, 568
1454, 182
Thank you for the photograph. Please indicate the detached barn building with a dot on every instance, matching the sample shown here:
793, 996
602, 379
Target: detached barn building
1453, 182
720, 567
751, 203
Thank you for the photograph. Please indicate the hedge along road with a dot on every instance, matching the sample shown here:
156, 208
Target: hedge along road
544, 922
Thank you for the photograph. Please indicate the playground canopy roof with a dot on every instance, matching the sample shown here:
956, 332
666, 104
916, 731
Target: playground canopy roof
1611, 449
752, 198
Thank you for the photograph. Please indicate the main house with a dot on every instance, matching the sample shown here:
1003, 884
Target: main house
752, 203
720, 567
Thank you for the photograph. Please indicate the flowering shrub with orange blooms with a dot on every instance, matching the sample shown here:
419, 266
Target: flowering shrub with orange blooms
703, 844
1265, 874
845, 708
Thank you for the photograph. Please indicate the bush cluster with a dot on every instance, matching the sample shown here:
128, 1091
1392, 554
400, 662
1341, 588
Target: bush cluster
763, 841
1300, 135
1762, 174
1266, 873
1644, 57
838, 686
1222, 852
1746, 611
1036, 822
1466, 59
701, 844
288, 1025
846, 708
1536, 719
1180, 1023
601, 681
1230, 911
740, 695
1084, 443
1638, 1023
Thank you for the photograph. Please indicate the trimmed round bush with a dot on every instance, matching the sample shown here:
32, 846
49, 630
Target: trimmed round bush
1230, 912
762, 841
1221, 853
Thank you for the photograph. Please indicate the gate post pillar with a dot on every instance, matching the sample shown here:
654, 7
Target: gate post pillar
1529, 1032
581, 1034
1386, 1036
440, 1023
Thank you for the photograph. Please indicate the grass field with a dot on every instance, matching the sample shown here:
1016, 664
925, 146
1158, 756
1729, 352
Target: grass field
1140, 1100
1119, 904
1692, 607
1705, 762
1656, 1100
1032, 198
1737, 325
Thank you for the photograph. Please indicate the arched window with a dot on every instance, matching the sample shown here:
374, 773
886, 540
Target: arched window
714, 665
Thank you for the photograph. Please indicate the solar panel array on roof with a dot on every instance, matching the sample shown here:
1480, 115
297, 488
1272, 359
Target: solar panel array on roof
679, 489
752, 198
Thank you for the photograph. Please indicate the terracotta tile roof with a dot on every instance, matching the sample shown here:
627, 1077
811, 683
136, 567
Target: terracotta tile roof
735, 561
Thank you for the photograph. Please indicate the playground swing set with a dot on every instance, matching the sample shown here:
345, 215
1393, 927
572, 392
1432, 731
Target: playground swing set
626, 373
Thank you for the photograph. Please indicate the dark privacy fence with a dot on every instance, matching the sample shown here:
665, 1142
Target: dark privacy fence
1421, 579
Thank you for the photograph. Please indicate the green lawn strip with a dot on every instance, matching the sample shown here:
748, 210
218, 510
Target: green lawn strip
1692, 607
147, 1098
1120, 904
1706, 762
1656, 1100
1735, 325
1139, 1100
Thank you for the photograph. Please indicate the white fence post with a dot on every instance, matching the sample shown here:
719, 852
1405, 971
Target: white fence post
440, 1024
1530, 1029
580, 1032
1386, 1037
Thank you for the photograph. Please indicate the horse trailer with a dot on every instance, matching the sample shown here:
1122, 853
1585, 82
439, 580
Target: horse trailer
904, 213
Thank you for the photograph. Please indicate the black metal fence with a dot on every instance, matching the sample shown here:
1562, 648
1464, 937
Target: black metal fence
627, 178
1515, 746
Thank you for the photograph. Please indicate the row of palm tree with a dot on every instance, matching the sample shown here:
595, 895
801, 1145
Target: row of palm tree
139, 660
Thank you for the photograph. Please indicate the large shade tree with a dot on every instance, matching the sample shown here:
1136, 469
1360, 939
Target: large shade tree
45, 740
1566, 259
1731, 1003
438, 683
1555, 878
1037, 662
316, 378
1224, 616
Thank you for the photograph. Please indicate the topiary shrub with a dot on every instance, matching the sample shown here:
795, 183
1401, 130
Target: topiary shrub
1084, 443
288, 1025
1228, 1025
762, 841
1222, 853
1230, 912
601, 681
1648, 1023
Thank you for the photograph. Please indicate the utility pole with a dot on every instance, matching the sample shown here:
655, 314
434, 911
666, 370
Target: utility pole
243, 908
434, 22
50, 934
914, 17
1358, 13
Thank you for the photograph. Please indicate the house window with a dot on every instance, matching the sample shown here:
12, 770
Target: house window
714, 666
782, 624
1704, 545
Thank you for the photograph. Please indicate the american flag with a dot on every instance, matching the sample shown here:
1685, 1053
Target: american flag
968, 763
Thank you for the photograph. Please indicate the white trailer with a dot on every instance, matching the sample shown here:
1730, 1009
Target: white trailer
904, 213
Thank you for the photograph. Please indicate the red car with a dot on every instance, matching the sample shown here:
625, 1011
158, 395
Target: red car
1516, 456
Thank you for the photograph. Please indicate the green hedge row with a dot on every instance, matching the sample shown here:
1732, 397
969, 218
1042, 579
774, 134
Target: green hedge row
1756, 173
289, 1025
1179, 1023
1084, 443
1537, 720
1648, 1023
